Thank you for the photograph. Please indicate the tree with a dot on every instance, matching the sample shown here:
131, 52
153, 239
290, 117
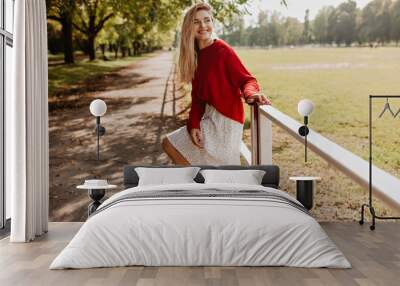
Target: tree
275, 29
293, 31
235, 31
395, 21
332, 19
253, 36
108, 36
385, 21
375, 24
359, 37
62, 11
345, 26
90, 20
306, 31
321, 24
150, 22
263, 38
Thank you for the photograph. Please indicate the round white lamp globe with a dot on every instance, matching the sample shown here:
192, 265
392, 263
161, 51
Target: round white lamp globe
305, 107
98, 107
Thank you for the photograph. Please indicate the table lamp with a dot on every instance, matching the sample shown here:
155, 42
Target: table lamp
98, 108
305, 107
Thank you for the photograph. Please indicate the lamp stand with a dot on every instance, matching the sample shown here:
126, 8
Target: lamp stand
303, 131
100, 131
98, 136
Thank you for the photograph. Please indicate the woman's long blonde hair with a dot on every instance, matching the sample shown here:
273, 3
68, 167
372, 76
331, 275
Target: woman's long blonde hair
188, 50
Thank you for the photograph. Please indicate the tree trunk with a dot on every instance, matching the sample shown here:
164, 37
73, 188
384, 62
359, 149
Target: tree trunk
133, 48
91, 38
116, 51
91, 47
103, 51
136, 47
67, 37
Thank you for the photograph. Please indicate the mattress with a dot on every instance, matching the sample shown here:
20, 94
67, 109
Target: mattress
201, 225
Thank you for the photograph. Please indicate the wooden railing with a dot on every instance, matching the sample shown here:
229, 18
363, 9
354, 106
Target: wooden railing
384, 185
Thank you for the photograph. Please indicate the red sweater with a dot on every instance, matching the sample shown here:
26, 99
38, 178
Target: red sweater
220, 80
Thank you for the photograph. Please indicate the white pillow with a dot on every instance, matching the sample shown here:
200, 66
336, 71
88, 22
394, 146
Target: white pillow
249, 177
163, 176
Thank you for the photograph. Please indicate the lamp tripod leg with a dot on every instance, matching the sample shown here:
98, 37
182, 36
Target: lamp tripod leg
372, 211
98, 139
305, 148
361, 221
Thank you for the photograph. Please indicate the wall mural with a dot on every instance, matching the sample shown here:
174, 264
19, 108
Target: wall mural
118, 87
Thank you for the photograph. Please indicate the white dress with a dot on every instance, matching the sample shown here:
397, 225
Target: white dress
222, 138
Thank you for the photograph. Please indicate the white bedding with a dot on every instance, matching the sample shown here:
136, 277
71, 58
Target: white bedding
200, 231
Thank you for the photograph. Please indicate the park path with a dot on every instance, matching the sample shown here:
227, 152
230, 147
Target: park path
143, 104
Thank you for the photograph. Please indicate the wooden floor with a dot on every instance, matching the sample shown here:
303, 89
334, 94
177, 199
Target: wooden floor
375, 257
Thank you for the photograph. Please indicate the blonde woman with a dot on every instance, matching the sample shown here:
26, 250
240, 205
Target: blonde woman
214, 129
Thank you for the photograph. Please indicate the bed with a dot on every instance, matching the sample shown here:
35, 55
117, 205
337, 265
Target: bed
201, 224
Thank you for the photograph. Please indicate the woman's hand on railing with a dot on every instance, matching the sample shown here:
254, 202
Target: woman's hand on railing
197, 137
258, 98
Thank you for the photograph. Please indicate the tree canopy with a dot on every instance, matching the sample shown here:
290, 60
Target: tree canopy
127, 27
377, 22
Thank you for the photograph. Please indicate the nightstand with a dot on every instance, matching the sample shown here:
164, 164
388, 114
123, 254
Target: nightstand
305, 190
96, 191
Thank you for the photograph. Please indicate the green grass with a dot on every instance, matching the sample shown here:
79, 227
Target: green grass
339, 82
63, 76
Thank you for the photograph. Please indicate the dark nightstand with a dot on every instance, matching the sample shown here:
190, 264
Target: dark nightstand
305, 190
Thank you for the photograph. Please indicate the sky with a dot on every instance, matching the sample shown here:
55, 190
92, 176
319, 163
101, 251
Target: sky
295, 8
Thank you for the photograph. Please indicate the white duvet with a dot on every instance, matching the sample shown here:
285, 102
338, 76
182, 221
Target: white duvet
200, 231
